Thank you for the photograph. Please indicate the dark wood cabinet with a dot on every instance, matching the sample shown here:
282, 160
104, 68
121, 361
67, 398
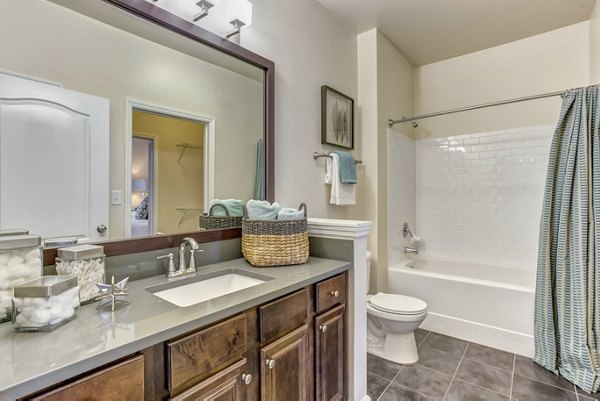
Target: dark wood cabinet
227, 385
286, 368
330, 358
121, 382
290, 349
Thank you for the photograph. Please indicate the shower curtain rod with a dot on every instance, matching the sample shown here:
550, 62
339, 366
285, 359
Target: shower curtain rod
479, 106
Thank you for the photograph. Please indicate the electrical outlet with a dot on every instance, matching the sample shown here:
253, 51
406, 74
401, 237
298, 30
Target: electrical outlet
116, 197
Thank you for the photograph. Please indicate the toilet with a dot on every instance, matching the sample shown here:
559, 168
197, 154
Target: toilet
391, 322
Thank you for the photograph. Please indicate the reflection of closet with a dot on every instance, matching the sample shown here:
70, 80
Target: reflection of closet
186, 146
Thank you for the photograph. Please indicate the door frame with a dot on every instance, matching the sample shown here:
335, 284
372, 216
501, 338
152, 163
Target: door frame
209, 151
152, 179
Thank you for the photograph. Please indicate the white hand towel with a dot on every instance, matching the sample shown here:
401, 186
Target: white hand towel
341, 194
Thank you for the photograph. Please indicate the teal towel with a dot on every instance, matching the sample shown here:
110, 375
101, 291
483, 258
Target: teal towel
262, 210
234, 206
287, 213
347, 167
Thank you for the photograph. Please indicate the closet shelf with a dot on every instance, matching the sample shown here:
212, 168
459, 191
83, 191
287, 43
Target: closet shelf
187, 146
188, 212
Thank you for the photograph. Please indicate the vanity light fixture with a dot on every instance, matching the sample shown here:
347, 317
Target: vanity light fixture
204, 7
237, 26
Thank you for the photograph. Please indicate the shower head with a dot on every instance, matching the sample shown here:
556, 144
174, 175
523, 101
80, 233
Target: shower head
414, 124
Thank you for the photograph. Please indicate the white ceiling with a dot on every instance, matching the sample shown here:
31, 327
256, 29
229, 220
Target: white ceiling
426, 31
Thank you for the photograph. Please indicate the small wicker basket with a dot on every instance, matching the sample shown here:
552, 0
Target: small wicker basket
210, 222
275, 242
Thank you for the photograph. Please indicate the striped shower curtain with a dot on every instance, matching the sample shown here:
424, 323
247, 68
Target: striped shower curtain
567, 298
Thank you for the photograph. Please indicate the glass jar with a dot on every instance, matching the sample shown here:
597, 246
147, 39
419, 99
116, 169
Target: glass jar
20, 261
45, 303
87, 263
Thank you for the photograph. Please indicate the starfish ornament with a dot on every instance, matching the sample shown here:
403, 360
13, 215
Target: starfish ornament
113, 293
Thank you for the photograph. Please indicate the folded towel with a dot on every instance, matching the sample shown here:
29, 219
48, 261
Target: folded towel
262, 210
347, 167
341, 194
287, 213
234, 207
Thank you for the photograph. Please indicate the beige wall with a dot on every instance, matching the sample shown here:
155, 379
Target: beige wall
179, 183
310, 48
595, 45
385, 88
45, 40
548, 62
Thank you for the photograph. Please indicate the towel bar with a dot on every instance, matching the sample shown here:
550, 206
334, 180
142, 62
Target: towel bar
317, 155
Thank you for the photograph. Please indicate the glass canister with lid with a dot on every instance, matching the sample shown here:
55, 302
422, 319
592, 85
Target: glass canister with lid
45, 303
20, 261
87, 263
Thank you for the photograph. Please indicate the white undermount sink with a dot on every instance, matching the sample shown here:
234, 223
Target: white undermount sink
193, 290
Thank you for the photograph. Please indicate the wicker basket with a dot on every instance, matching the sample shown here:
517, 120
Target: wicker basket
275, 242
209, 222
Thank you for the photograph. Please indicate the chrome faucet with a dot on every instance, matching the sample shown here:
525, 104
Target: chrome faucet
410, 249
182, 270
194, 247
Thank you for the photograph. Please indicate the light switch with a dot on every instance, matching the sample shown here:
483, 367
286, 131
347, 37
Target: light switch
116, 197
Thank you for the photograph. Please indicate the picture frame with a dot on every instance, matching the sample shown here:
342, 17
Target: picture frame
337, 118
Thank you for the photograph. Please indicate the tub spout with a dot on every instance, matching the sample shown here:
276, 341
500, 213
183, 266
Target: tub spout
408, 249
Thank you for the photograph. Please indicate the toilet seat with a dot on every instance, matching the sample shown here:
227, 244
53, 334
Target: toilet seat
397, 304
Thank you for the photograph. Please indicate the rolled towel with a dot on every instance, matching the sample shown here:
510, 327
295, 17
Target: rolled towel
262, 210
234, 206
287, 213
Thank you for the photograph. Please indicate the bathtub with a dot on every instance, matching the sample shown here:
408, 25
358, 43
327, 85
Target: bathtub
485, 304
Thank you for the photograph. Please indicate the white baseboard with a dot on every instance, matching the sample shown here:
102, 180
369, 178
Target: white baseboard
511, 341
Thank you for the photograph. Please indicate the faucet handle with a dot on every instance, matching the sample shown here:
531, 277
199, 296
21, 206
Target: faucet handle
171, 266
192, 258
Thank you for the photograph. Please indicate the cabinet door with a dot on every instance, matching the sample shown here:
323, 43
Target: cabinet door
227, 385
286, 367
121, 382
330, 356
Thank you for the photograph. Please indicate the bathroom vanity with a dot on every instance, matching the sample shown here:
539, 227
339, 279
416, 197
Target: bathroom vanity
284, 339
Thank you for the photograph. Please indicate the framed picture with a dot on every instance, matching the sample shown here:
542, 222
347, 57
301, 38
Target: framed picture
337, 118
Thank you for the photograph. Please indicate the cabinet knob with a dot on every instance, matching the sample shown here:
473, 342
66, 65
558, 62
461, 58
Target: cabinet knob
247, 378
101, 228
270, 363
335, 293
323, 328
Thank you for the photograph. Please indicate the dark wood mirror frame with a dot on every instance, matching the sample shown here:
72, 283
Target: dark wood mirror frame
162, 18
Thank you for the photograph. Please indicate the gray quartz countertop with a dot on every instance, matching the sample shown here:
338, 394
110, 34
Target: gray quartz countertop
32, 361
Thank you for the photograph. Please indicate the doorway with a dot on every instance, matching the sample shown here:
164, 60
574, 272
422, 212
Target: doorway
168, 162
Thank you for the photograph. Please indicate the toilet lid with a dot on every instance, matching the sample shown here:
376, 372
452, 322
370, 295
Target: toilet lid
399, 304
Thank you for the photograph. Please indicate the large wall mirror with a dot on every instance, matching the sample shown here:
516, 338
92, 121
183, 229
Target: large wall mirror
185, 117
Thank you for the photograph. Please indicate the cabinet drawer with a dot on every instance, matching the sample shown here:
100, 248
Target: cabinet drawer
214, 347
331, 292
124, 381
283, 315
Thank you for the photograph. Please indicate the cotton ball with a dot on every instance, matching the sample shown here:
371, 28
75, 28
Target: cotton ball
33, 254
41, 316
56, 312
15, 260
27, 301
34, 263
22, 320
16, 271
5, 285
18, 281
5, 303
27, 311
40, 303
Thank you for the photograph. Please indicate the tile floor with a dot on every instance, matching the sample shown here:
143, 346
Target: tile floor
450, 369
